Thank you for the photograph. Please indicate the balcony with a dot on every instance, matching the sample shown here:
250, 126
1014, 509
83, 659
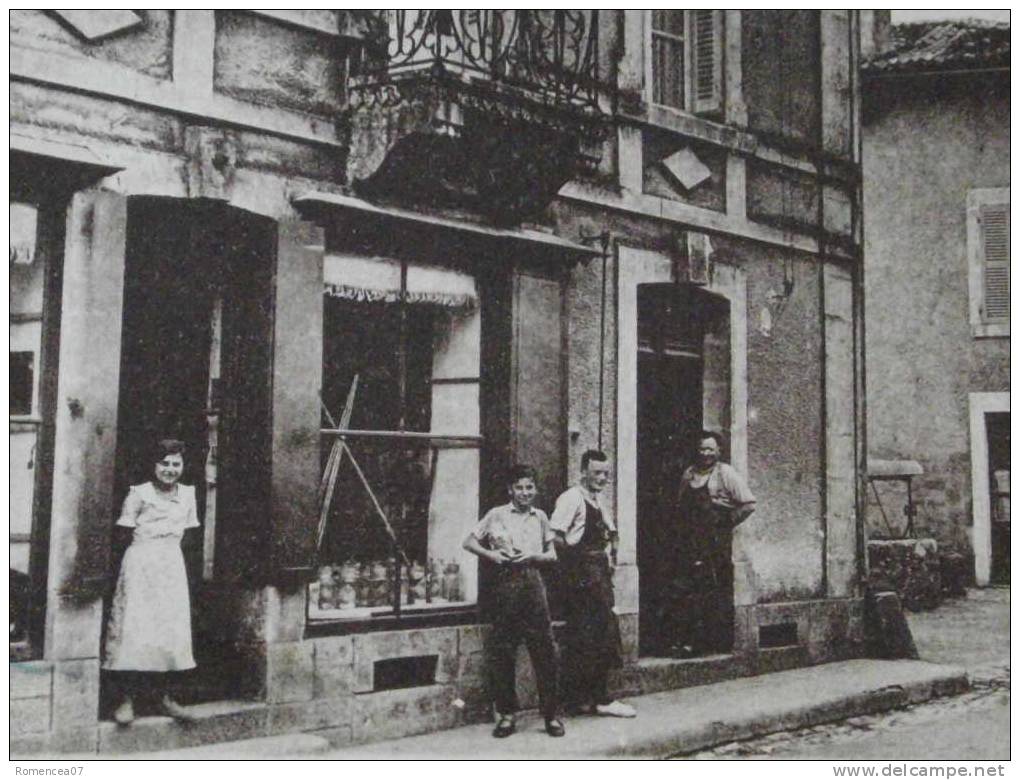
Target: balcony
486, 110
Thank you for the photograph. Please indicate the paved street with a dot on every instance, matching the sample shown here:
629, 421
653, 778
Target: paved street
972, 633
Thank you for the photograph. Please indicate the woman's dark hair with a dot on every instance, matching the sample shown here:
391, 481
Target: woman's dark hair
520, 471
165, 447
590, 455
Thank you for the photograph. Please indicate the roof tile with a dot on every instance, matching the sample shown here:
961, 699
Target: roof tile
949, 45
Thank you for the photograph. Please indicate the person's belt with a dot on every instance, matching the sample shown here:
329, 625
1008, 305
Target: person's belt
587, 553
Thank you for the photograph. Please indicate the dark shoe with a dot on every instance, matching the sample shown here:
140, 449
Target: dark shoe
554, 727
125, 713
506, 726
176, 711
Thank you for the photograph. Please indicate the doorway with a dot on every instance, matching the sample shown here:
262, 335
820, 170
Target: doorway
683, 387
997, 429
196, 361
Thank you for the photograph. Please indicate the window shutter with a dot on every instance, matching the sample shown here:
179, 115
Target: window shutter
706, 60
995, 248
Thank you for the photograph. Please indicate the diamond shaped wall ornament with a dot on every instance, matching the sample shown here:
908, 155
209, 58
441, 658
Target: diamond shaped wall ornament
93, 25
685, 167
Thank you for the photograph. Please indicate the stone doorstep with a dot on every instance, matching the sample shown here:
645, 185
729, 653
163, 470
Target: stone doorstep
220, 721
653, 675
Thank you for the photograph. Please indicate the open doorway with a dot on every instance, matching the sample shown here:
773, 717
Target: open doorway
196, 360
683, 388
997, 427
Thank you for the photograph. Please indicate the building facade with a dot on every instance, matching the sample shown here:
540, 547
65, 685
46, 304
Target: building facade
361, 263
937, 275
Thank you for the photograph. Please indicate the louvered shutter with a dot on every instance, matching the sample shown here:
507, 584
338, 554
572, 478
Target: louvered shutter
706, 60
995, 268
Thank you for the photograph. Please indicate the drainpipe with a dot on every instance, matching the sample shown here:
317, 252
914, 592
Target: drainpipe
822, 251
859, 342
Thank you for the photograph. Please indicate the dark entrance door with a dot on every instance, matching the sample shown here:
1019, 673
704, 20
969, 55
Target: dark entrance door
997, 425
670, 386
196, 366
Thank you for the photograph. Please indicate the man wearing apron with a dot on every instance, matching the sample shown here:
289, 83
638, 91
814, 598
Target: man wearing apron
714, 499
592, 643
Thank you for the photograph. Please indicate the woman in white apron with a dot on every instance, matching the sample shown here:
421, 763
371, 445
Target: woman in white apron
148, 636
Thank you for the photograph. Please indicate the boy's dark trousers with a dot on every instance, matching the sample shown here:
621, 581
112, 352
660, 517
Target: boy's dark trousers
520, 611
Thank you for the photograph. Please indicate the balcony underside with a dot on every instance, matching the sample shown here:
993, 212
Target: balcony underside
452, 143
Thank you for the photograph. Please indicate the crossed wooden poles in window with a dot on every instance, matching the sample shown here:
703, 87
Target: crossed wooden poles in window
332, 471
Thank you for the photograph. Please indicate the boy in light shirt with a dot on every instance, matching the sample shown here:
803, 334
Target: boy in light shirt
517, 540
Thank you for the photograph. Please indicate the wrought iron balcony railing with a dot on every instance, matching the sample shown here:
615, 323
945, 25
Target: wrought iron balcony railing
547, 55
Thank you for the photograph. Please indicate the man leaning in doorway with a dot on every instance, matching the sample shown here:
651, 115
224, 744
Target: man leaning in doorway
714, 499
584, 531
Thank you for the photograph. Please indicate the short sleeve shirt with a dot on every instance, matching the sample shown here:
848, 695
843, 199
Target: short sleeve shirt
725, 485
569, 515
509, 529
155, 514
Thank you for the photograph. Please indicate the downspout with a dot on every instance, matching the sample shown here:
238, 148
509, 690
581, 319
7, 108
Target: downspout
820, 233
604, 238
859, 342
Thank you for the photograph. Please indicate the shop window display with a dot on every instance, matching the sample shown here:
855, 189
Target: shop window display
401, 352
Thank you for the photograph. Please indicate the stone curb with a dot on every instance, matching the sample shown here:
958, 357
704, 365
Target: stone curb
950, 683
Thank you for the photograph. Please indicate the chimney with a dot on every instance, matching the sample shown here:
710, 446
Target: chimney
876, 37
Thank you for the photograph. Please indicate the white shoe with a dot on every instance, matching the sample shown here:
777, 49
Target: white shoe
615, 709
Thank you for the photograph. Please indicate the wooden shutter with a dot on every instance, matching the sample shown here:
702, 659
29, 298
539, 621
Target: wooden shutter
995, 267
705, 34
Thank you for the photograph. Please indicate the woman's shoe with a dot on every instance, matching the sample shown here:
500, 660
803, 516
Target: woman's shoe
506, 726
554, 727
176, 711
124, 715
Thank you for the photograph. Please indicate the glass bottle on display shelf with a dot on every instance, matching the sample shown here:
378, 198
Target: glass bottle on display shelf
347, 594
451, 582
363, 587
381, 585
416, 584
434, 590
327, 592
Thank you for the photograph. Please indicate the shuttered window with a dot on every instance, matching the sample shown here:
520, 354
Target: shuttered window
995, 243
988, 261
686, 60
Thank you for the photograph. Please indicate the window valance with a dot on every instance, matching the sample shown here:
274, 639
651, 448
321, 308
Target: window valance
378, 279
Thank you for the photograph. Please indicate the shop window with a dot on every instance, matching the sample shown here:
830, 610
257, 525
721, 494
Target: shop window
27, 272
401, 355
22, 382
685, 60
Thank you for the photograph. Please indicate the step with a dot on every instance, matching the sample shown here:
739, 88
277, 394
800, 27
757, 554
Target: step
653, 675
218, 721
282, 746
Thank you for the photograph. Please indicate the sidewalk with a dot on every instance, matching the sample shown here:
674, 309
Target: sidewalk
671, 722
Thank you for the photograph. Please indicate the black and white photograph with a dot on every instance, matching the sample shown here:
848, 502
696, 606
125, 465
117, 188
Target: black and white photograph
517, 385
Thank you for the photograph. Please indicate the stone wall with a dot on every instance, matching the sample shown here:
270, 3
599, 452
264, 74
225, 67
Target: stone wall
923, 360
